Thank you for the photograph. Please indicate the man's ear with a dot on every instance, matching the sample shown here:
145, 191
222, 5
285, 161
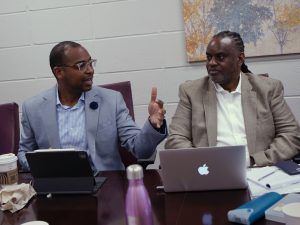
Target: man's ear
241, 58
58, 72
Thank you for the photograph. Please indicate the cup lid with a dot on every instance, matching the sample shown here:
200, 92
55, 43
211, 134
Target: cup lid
134, 171
8, 158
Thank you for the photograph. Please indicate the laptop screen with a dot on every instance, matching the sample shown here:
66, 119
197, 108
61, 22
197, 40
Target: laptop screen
204, 168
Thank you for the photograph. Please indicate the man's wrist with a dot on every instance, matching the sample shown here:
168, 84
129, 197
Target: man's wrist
161, 129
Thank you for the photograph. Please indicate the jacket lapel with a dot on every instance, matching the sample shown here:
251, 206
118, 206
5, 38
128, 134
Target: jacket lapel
210, 109
249, 112
48, 112
92, 117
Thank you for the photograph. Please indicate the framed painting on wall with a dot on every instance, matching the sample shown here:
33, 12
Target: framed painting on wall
268, 27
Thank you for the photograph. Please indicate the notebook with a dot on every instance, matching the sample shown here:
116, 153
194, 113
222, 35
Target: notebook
205, 168
62, 171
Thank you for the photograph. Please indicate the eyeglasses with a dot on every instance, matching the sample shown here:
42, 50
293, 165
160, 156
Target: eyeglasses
82, 66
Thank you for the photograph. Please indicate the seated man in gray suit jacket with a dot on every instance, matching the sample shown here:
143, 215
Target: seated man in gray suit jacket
232, 106
75, 114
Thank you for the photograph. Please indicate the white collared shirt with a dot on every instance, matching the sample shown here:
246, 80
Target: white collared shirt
230, 118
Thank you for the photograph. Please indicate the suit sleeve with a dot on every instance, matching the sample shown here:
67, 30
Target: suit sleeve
286, 143
181, 125
27, 140
141, 142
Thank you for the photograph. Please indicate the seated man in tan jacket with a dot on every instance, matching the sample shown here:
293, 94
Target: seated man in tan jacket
232, 106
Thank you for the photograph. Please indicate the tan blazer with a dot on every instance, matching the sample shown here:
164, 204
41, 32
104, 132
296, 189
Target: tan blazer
271, 129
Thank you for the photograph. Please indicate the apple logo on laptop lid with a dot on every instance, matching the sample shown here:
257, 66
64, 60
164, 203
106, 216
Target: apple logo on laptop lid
203, 170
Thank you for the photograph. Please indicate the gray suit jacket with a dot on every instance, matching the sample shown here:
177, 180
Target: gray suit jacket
272, 132
106, 127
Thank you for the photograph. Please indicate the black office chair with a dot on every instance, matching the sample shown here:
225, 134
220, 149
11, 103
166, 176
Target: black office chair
127, 158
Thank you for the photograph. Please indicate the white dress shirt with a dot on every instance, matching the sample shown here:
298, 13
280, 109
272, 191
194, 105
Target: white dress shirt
230, 118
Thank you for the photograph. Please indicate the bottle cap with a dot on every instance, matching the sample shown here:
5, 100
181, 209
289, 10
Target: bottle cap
134, 171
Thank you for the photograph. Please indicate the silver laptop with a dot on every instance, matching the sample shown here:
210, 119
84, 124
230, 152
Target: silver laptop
205, 168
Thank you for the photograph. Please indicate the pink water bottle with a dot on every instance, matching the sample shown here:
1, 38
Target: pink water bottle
138, 205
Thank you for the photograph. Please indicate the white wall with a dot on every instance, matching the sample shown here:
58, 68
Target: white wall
137, 40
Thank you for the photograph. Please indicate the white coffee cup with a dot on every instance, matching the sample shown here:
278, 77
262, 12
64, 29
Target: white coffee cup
8, 169
291, 213
36, 222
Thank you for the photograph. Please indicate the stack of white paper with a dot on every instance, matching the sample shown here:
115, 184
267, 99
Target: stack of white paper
270, 178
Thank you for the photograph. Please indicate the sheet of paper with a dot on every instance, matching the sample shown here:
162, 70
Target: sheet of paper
279, 181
